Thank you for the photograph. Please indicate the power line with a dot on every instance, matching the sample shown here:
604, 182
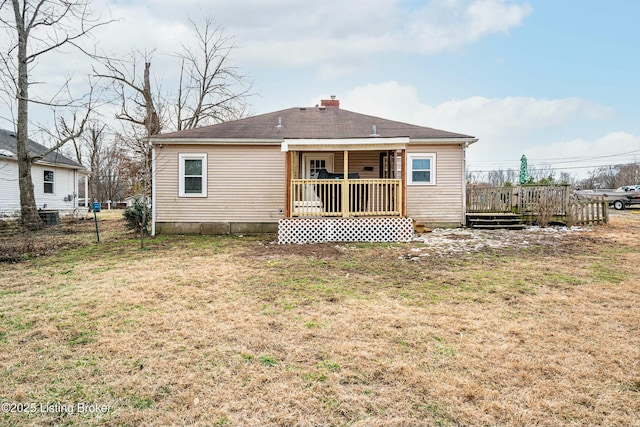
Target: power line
559, 160
561, 169
580, 159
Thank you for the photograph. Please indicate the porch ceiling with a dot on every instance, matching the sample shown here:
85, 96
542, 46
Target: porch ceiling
349, 144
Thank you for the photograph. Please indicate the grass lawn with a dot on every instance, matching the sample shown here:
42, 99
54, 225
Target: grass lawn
235, 331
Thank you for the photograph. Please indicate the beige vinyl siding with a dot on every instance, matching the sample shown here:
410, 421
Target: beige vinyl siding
244, 184
357, 162
440, 203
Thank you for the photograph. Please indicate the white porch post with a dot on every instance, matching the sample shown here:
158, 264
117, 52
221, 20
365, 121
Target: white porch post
345, 186
86, 191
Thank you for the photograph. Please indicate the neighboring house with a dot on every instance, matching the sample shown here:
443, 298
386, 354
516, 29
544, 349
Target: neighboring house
284, 171
55, 178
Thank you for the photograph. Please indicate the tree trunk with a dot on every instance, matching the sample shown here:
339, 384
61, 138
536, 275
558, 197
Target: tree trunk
152, 121
28, 210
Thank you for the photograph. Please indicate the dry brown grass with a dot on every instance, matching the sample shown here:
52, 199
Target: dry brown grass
236, 331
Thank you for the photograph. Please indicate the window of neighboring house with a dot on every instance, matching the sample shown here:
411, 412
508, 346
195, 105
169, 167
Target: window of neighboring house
421, 169
48, 182
193, 175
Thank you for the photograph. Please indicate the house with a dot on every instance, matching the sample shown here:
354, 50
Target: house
311, 174
55, 178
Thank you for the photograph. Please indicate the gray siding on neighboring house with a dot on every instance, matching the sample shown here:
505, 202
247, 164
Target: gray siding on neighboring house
9, 190
439, 204
245, 184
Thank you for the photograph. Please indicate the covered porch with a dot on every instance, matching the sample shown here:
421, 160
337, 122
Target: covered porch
345, 190
345, 178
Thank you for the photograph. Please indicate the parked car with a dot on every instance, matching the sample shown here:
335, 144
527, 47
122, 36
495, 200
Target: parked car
620, 198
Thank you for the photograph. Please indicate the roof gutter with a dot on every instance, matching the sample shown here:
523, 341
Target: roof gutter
341, 144
433, 141
214, 141
81, 169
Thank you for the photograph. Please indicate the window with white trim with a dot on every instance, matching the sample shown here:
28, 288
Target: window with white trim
193, 174
421, 169
48, 182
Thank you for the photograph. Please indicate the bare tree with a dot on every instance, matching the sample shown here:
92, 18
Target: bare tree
36, 28
628, 174
107, 162
210, 89
612, 176
567, 178
472, 177
500, 177
607, 177
543, 174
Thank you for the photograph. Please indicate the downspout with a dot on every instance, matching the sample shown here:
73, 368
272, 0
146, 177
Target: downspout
464, 182
75, 189
153, 190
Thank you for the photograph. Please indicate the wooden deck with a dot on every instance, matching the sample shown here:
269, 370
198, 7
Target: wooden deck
494, 221
536, 204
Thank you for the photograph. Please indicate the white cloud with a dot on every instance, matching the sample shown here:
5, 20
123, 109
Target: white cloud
335, 37
294, 33
490, 119
612, 148
442, 24
390, 100
514, 117
507, 127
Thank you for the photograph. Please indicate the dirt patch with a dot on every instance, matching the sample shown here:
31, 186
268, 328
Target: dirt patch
18, 244
270, 249
446, 243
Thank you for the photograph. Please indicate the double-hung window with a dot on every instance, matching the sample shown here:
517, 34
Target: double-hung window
193, 174
421, 169
48, 182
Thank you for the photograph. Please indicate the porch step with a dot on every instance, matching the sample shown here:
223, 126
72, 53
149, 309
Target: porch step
499, 226
495, 221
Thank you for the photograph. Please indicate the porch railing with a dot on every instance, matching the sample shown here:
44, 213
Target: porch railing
544, 203
360, 197
520, 199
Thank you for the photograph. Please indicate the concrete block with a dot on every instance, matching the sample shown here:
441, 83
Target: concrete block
214, 228
253, 227
177, 228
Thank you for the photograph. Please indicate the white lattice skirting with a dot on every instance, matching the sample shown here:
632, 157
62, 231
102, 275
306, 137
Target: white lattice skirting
317, 230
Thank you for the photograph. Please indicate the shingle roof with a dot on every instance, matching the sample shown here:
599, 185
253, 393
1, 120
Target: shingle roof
310, 123
8, 143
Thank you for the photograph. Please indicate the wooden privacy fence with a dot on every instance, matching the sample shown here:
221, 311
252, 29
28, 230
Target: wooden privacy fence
588, 212
543, 203
490, 199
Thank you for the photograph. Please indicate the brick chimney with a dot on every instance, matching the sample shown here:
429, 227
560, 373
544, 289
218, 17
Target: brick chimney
333, 102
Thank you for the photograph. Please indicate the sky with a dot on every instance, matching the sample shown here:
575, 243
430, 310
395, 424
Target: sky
555, 80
